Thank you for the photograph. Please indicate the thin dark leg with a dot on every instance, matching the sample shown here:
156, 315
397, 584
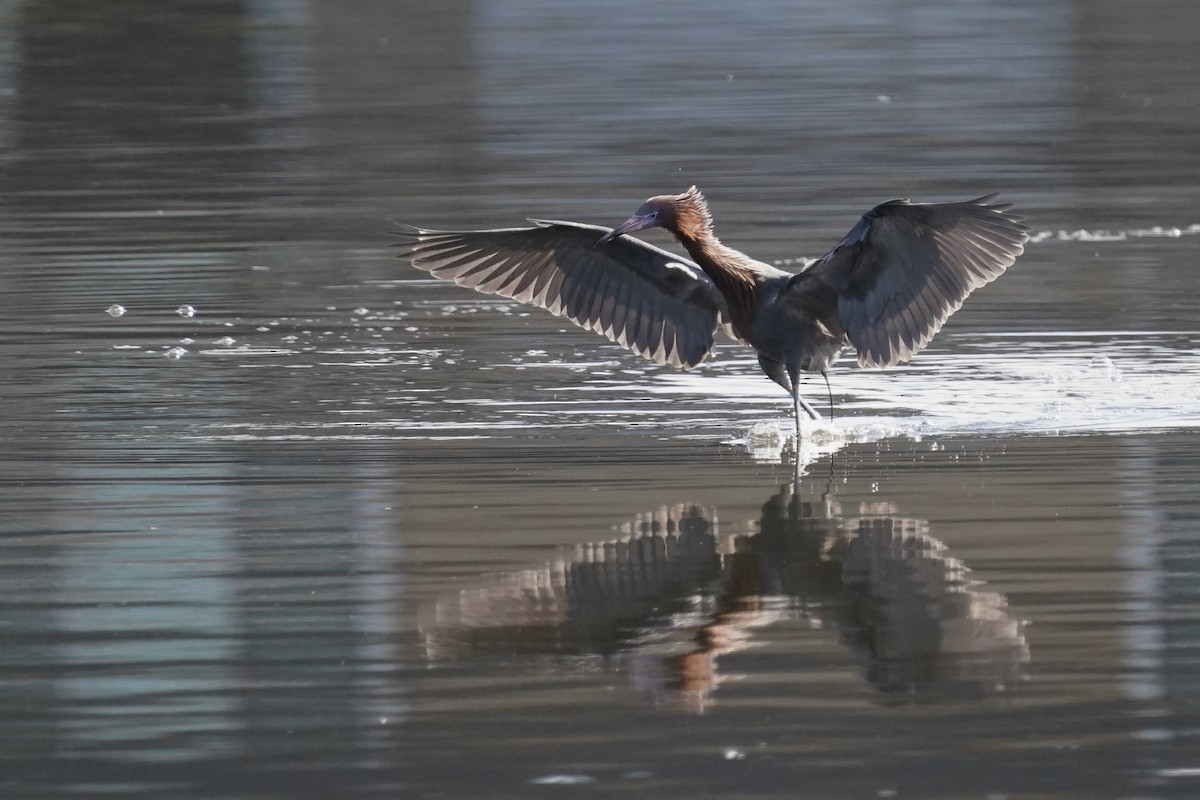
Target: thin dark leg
829, 390
796, 416
798, 403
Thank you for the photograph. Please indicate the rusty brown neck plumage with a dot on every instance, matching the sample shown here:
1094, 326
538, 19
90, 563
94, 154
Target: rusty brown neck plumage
734, 273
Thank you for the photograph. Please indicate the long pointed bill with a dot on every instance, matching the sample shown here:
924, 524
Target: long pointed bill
634, 223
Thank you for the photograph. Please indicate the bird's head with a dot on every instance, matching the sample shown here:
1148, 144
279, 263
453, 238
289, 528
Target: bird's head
682, 214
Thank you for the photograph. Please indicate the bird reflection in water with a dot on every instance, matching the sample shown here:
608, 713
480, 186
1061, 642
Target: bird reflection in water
670, 595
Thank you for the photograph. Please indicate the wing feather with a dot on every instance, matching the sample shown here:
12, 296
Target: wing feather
904, 268
656, 304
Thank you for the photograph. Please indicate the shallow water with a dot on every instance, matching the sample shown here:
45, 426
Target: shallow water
282, 518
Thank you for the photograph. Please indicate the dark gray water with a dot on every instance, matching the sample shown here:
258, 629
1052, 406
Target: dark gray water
281, 518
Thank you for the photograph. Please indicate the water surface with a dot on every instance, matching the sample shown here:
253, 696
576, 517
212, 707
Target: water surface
283, 519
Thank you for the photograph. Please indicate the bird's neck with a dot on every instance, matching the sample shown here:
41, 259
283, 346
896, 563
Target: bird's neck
735, 274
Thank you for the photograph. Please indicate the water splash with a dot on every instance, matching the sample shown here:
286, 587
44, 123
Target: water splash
1076, 383
772, 441
1017, 383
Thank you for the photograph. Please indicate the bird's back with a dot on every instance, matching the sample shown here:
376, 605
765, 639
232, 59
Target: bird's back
797, 323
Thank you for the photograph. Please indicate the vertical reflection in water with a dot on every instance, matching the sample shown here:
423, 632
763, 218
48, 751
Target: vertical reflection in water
1144, 634
380, 698
209, 619
144, 641
171, 627
672, 594
317, 610
1160, 642
8, 64
1141, 553
279, 75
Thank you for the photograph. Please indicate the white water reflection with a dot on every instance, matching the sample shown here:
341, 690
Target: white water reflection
1154, 232
1004, 384
1039, 383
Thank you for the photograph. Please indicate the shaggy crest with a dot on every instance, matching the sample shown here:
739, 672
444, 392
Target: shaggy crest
691, 214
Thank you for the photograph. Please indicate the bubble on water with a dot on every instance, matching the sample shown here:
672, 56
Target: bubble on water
176, 353
187, 340
186, 311
361, 312
733, 754
225, 341
115, 310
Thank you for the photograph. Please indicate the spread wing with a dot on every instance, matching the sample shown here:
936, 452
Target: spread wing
906, 267
658, 305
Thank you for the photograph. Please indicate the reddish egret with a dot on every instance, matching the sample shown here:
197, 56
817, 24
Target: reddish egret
883, 291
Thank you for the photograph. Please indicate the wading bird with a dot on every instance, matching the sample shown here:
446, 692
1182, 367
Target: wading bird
883, 291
